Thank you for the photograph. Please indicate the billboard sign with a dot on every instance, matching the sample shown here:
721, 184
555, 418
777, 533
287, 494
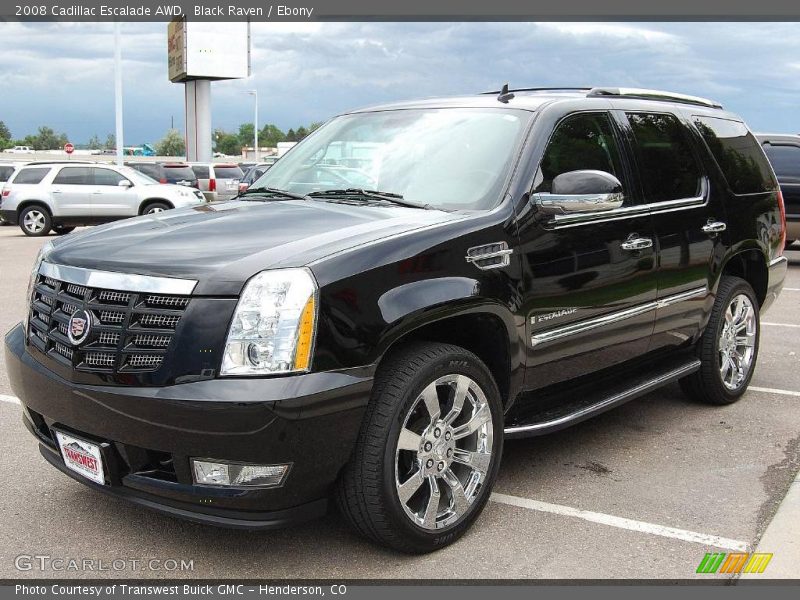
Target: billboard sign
198, 50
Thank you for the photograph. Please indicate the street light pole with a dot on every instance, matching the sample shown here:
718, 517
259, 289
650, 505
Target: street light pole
254, 93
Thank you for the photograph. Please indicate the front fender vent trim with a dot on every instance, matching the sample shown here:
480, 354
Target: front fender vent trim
490, 256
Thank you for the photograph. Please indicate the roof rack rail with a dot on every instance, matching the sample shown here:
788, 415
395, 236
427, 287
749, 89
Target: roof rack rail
540, 89
58, 162
653, 95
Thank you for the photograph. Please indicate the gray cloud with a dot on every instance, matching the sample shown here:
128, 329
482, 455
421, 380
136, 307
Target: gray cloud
61, 74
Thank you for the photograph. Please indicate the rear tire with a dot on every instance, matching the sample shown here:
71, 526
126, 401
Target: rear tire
728, 349
35, 221
428, 451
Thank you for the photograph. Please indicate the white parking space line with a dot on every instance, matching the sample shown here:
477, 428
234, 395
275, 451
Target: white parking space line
9, 399
753, 388
623, 523
780, 324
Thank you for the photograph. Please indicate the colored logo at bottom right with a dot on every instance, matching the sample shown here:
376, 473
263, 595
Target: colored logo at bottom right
735, 562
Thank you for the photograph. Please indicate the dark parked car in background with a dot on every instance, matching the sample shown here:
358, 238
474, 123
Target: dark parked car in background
783, 151
167, 172
515, 263
253, 173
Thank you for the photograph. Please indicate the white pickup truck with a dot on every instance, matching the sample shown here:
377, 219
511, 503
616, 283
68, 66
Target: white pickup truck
19, 150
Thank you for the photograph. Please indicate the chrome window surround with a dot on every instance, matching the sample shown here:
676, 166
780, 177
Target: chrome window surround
126, 282
624, 212
593, 323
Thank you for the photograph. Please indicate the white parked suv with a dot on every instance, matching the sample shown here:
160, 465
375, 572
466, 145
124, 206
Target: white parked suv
44, 196
19, 150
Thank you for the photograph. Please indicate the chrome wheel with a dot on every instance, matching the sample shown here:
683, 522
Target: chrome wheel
737, 341
154, 210
444, 451
34, 221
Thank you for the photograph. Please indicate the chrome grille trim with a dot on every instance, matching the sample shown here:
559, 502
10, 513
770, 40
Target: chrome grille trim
125, 282
114, 297
132, 331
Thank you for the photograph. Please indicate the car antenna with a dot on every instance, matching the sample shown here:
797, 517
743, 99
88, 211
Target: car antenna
505, 95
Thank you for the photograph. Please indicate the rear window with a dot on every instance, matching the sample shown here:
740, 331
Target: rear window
228, 172
785, 159
5, 173
31, 175
179, 172
738, 154
200, 171
152, 170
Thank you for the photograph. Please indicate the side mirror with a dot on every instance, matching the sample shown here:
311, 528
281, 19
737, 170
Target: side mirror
126, 183
584, 191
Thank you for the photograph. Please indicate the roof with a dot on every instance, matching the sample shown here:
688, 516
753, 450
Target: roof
533, 98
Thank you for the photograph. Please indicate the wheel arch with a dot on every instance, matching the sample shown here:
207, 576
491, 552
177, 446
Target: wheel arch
33, 202
748, 263
485, 328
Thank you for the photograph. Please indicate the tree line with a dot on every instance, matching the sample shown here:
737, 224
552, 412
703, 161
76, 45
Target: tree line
231, 143
172, 144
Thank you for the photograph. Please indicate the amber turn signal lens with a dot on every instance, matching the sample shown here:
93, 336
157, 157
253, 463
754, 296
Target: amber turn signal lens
305, 337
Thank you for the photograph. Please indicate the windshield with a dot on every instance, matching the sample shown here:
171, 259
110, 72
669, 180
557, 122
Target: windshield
136, 177
445, 158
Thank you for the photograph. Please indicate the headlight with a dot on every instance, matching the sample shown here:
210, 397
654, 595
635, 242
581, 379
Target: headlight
273, 327
45, 250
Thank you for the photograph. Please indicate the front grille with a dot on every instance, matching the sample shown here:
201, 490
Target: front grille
130, 332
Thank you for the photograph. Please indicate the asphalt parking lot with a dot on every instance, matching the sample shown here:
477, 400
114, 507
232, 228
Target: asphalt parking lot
641, 492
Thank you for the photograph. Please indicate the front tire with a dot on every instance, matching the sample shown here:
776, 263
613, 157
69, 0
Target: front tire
35, 221
428, 451
155, 208
728, 349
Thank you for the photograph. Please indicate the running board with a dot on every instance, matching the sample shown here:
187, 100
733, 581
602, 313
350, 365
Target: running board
569, 413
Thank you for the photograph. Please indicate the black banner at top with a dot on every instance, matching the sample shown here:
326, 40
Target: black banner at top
400, 10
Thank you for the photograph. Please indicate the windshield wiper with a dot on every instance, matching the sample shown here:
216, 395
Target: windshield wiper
385, 196
271, 192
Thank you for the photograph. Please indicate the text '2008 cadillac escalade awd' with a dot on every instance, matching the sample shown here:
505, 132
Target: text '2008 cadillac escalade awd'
407, 287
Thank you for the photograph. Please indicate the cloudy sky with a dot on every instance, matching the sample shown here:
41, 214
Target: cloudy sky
61, 74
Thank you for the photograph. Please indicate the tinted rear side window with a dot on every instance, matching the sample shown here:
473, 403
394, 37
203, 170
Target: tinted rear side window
785, 160
667, 162
738, 154
228, 172
5, 173
179, 173
31, 175
200, 172
75, 176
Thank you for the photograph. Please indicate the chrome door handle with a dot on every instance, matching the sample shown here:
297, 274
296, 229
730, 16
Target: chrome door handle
713, 227
636, 243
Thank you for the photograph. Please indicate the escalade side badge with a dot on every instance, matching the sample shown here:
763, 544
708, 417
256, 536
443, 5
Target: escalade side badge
490, 256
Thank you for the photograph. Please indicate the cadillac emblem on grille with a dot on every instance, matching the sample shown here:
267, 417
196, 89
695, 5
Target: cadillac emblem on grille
80, 323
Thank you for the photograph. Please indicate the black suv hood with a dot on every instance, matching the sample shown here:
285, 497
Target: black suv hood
222, 245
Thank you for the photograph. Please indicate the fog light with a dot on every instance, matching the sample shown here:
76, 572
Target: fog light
208, 472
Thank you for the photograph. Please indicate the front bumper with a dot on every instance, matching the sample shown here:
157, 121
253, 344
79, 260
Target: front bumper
148, 434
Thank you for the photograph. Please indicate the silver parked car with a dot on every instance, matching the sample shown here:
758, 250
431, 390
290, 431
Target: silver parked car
218, 181
56, 196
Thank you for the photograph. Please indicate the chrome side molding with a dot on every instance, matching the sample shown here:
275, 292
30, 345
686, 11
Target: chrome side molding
593, 323
124, 282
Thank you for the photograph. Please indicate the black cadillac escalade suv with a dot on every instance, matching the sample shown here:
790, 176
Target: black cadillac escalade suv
407, 287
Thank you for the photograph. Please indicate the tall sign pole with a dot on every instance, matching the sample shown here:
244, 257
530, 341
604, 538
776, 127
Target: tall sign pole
118, 89
199, 53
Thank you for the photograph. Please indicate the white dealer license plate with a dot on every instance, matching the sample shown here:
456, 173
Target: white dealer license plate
82, 457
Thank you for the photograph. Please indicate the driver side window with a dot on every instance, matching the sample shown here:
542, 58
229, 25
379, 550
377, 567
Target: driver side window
581, 141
